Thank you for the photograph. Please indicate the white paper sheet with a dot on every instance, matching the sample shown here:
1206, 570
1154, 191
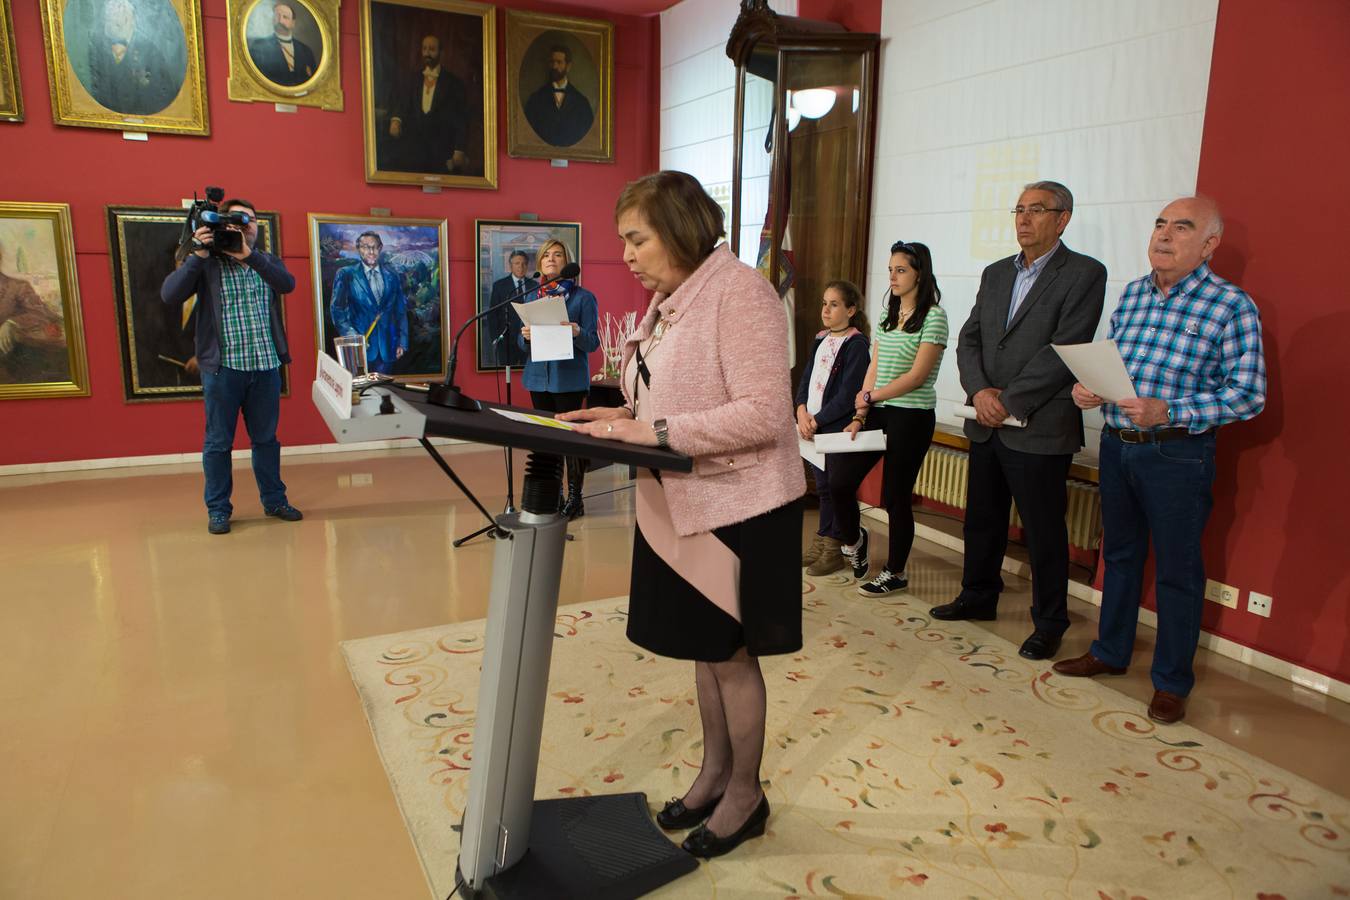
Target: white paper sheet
550, 342
840, 443
531, 418
548, 311
810, 453
968, 412
1099, 368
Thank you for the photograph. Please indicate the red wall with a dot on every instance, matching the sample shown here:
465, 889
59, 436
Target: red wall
310, 161
1273, 156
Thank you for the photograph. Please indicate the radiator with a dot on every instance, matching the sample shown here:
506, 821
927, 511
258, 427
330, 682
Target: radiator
943, 480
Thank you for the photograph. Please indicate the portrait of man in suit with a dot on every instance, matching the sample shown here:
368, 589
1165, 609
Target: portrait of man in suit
557, 111
282, 57
368, 299
127, 70
502, 324
429, 127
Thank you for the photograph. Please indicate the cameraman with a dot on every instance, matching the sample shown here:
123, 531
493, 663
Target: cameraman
240, 348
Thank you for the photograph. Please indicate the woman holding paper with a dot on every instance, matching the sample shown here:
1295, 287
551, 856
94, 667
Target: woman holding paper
563, 385
898, 398
706, 374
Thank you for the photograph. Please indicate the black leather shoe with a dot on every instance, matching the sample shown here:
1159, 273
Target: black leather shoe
675, 816
703, 843
1041, 645
959, 610
574, 508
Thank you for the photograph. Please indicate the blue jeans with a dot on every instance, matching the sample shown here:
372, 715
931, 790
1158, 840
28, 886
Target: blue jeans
827, 527
257, 395
1162, 489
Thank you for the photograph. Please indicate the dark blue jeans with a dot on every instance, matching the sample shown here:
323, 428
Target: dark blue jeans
257, 395
827, 527
1163, 490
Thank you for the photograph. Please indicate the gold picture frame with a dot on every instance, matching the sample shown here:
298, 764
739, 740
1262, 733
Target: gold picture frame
42, 352
407, 328
310, 75
449, 138
151, 78
576, 121
11, 94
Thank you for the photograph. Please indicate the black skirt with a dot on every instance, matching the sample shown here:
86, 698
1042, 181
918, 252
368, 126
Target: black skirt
670, 617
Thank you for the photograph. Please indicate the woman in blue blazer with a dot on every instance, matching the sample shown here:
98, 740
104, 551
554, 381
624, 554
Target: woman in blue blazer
563, 385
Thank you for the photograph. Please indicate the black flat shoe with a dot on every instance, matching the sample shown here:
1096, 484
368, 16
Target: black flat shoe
703, 843
675, 816
1041, 645
963, 610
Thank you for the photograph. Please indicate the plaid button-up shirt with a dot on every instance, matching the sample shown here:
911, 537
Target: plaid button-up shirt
246, 326
1198, 348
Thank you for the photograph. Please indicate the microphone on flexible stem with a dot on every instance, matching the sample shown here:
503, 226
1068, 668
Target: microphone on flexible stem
445, 393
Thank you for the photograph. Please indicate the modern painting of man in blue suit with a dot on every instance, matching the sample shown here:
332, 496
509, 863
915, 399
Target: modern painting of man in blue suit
368, 299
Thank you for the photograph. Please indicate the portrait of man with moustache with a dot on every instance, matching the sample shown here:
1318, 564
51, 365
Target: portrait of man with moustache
281, 57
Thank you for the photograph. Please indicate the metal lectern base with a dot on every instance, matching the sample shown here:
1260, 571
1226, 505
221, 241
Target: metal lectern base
592, 848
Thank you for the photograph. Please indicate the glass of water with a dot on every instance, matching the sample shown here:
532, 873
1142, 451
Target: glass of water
351, 353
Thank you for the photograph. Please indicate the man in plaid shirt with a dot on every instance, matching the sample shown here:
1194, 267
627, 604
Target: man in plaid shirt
1192, 345
241, 346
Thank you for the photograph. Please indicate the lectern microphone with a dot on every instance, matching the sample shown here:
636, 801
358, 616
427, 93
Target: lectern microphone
445, 393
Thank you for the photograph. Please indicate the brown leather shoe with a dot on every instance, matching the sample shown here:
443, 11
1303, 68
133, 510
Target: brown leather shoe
1085, 666
1167, 707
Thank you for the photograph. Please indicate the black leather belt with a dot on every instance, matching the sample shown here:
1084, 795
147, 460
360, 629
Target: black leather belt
1131, 436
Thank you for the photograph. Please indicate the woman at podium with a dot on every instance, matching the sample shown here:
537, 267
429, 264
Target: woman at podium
706, 374
563, 385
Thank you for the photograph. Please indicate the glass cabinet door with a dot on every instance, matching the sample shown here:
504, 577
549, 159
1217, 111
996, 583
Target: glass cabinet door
802, 173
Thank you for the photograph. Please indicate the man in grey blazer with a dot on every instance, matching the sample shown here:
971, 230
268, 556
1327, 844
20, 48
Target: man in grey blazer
1047, 294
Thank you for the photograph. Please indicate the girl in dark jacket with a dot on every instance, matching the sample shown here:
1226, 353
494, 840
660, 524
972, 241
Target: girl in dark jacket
832, 378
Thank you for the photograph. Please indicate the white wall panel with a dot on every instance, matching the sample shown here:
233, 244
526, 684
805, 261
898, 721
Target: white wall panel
698, 100
979, 97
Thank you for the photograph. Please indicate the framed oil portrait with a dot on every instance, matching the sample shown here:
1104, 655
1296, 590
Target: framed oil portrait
387, 279
131, 65
285, 51
11, 96
157, 341
41, 329
508, 255
559, 87
429, 85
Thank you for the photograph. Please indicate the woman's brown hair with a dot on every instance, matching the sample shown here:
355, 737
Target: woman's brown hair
853, 299
687, 221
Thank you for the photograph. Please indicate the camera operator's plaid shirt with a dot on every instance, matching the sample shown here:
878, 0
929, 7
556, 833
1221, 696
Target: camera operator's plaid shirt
245, 319
1198, 348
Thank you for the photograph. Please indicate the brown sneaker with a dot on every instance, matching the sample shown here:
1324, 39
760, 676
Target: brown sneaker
1085, 666
1167, 707
812, 553
830, 561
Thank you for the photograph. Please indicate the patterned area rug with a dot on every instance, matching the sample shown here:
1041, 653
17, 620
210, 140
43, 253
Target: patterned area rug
905, 756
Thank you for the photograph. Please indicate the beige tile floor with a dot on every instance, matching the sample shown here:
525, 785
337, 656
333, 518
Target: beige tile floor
178, 721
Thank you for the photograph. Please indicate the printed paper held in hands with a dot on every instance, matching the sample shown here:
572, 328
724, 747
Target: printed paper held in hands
840, 443
1099, 368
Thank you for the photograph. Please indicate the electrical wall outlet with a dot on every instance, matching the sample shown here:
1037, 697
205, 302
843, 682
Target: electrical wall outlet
1259, 604
1225, 594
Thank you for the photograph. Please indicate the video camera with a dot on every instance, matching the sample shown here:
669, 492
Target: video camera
207, 213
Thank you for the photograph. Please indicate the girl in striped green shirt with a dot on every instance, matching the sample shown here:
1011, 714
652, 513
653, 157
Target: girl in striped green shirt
898, 398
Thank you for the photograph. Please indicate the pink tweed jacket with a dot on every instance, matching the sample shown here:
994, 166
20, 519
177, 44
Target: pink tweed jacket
719, 377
